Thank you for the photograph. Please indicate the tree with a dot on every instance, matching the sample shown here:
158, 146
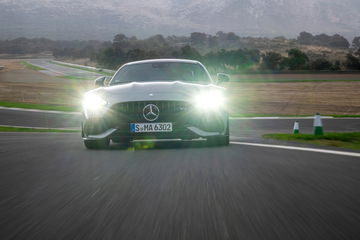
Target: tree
336, 66
188, 52
356, 43
198, 38
296, 60
232, 37
321, 64
338, 41
157, 41
271, 61
232, 60
357, 53
305, 38
121, 41
352, 62
322, 39
135, 55
213, 42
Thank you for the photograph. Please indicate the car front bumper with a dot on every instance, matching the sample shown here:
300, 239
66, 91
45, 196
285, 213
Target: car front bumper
186, 125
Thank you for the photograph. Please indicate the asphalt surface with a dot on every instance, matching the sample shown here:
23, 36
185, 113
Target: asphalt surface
242, 128
39, 119
255, 128
57, 70
53, 188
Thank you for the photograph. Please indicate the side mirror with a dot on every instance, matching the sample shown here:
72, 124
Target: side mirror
100, 81
222, 77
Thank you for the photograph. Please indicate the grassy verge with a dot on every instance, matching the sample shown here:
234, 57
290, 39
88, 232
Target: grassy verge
76, 109
281, 115
39, 106
291, 80
26, 129
345, 116
32, 67
344, 140
82, 68
264, 115
283, 72
69, 77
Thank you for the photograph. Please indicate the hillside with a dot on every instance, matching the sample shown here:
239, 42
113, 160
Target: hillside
101, 20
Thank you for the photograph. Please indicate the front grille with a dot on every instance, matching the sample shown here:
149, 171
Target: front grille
164, 106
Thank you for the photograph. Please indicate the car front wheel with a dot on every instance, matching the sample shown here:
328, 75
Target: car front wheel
97, 144
222, 140
218, 141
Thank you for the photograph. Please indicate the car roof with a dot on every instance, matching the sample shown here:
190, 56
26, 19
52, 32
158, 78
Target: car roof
164, 60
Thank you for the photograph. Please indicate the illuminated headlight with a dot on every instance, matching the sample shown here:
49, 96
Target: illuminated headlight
93, 105
209, 101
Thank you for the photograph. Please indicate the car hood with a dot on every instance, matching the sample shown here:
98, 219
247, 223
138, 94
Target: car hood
156, 91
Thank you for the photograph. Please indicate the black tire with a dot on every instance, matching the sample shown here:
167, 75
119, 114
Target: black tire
97, 144
218, 141
223, 140
123, 141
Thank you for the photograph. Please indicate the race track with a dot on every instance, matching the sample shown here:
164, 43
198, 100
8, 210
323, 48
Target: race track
240, 127
51, 187
56, 70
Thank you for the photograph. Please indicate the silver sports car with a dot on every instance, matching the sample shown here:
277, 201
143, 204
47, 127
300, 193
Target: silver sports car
152, 99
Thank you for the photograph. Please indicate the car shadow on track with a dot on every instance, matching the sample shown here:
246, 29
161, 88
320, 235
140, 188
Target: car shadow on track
153, 145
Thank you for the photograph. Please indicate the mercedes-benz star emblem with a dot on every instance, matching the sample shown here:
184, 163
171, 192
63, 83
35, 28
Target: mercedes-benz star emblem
151, 112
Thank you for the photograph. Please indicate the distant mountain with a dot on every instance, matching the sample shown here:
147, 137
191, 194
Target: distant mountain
89, 19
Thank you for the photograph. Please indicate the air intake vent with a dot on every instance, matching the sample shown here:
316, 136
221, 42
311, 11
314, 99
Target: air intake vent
164, 106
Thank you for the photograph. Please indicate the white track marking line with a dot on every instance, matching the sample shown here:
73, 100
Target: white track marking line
2, 125
83, 66
352, 154
275, 118
38, 110
46, 68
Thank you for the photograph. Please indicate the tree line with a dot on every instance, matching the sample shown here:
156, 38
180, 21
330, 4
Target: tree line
222, 51
125, 49
59, 48
232, 61
335, 41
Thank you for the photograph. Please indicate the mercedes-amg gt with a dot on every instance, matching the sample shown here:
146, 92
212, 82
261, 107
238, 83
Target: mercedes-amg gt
156, 99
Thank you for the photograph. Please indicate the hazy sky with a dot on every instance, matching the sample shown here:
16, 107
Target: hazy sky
89, 19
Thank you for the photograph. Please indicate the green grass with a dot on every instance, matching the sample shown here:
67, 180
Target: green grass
282, 72
32, 67
282, 115
291, 80
349, 140
82, 68
264, 115
26, 129
345, 116
40, 106
69, 77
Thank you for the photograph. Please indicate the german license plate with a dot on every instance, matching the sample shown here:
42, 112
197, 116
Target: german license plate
151, 127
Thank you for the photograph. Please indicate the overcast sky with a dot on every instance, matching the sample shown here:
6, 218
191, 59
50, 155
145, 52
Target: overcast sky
89, 19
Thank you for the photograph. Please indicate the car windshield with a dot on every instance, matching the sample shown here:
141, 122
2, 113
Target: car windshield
161, 71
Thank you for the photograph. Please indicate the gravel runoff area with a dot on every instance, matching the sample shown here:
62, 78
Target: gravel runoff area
18, 84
